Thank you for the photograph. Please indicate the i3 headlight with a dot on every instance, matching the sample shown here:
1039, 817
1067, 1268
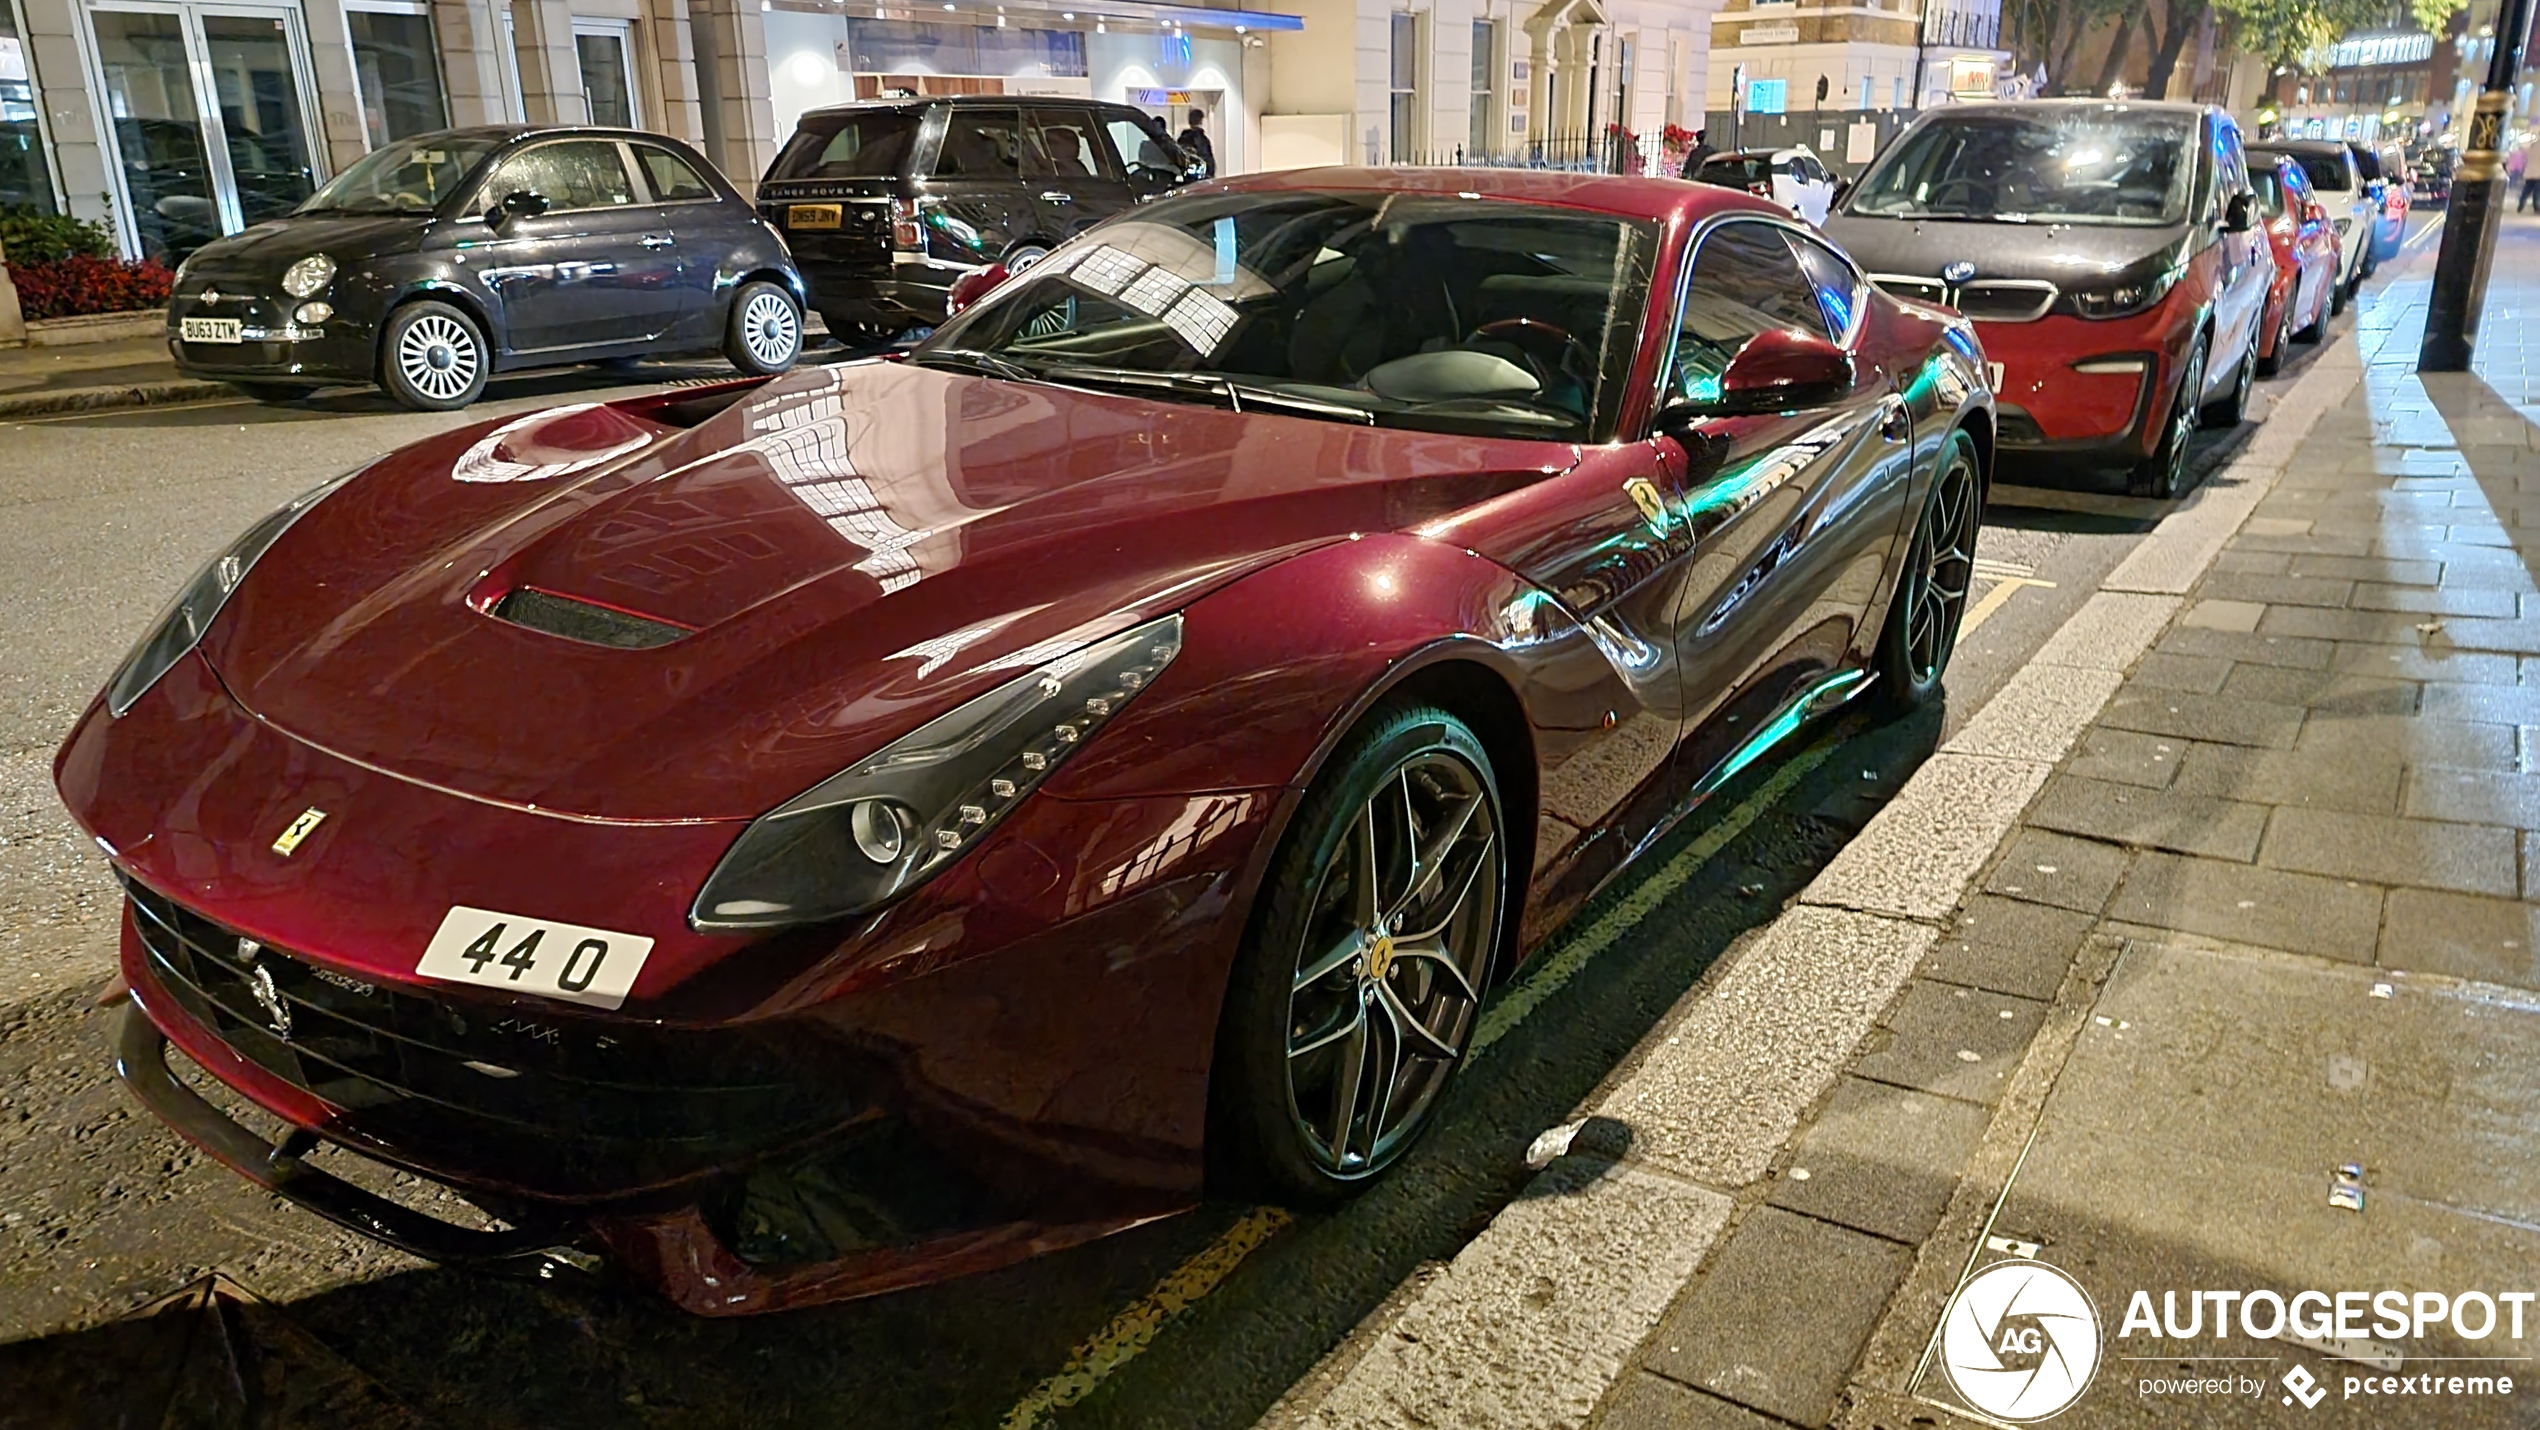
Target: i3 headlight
2124, 300
308, 277
190, 614
860, 839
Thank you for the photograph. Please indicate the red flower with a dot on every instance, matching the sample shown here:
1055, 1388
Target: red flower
80, 284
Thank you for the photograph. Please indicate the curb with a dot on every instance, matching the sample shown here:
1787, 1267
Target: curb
1533, 1322
98, 399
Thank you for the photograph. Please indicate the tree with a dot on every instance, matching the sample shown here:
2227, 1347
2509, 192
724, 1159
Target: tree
2284, 31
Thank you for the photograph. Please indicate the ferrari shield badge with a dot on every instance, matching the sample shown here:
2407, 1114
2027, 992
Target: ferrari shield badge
1644, 494
300, 829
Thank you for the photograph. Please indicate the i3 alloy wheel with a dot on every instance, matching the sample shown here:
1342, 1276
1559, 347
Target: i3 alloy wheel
767, 331
432, 358
1931, 595
2164, 472
1362, 979
2230, 409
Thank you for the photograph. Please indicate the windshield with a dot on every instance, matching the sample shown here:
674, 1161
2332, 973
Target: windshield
2325, 171
872, 144
2078, 164
411, 176
1454, 314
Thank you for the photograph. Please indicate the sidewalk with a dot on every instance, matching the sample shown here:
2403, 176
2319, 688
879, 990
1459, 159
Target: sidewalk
128, 372
2229, 889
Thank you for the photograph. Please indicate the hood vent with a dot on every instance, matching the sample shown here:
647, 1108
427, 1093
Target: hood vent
583, 621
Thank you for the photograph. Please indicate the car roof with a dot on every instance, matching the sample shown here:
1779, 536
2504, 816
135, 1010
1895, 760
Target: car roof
1623, 196
2317, 148
1758, 153
1998, 106
957, 101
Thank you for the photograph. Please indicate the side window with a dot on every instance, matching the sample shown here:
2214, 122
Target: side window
1141, 153
1067, 140
1745, 280
981, 144
1838, 288
575, 174
673, 179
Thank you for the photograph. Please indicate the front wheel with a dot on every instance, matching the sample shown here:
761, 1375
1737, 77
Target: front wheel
766, 332
432, 358
2271, 361
2230, 409
2164, 473
1354, 999
1931, 595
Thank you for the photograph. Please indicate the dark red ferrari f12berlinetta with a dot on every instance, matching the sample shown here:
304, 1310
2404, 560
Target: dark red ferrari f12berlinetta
810, 836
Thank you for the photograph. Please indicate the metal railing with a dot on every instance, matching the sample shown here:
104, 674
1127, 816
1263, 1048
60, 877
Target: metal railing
1609, 153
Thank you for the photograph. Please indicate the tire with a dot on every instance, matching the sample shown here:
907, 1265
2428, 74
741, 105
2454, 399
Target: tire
764, 332
2372, 263
2326, 305
2339, 291
1023, 255
432, 357
858, 332
2163, 474
1921, 631
1316, 1004
2232, 407
2271, 362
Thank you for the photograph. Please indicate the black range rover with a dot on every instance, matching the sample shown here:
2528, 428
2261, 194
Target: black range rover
886, 204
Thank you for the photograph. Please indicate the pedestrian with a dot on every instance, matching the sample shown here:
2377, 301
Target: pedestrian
2517, 166
1700, 151
1194, 140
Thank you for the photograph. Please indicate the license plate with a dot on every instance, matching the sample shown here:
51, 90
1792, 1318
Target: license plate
525, 955
815, 216
1993, 372
210, 330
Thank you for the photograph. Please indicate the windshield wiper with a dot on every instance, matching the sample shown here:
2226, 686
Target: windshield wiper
975, 361
1124, 379
1248, 398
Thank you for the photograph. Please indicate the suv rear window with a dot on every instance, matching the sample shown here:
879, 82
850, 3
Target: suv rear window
2323, 170
1734, 173
869, 145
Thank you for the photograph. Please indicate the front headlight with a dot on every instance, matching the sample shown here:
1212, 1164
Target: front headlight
308, 277
190, 614
2125, 299
860, 839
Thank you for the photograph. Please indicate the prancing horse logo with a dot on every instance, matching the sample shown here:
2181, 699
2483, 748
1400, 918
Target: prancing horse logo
269, 994
300, 829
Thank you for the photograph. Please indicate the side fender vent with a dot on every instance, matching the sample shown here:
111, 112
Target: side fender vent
584, 621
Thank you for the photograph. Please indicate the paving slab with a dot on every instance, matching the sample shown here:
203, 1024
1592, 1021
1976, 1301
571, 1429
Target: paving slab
2203, 674
2475, 797
2468, 858
2463, 935
2008, 946
2417, 740
2334, 918
2127, 756
1780, 1315
2488, 702
2332, 692
2416, 662
2218, 718
2150, 819
1651, 1402
1953, 1041
2240, 645
1880, 1159
2057, 869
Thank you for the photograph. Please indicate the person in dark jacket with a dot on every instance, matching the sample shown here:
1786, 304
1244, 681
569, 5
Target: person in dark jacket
1700, 152
1194, 141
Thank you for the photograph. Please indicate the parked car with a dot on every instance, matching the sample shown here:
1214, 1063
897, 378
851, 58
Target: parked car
886, 205
821, 835
2433, 168
432, 263
2109, 253
2385, 171
2337, 181
1792, 178
2306, 258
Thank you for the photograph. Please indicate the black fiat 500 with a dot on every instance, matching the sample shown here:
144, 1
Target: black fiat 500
888, 203
439, 260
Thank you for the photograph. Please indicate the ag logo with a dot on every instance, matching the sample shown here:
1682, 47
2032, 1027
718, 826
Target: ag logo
2020, 1341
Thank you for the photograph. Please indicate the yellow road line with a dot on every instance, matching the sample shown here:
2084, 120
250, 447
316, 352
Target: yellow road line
1994, 600
1130, 1331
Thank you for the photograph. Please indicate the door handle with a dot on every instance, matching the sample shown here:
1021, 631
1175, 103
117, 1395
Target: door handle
656, 240
1896, 423
1053, 196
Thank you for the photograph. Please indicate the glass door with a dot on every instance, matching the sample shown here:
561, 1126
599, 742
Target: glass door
208, 109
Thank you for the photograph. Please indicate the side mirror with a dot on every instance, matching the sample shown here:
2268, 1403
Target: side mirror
2239, 214
1778, 369
969, 288
519, 203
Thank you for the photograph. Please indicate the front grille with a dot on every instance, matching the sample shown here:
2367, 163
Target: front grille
582, 621
2005, 300
570, 1107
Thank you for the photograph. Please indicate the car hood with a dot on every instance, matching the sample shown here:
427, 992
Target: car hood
276, 244
833, 559
2065, 254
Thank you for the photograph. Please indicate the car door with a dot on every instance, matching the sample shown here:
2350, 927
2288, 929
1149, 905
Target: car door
595, 266
703, 229
1078, 180
1787, 545
2247, 263
978, 206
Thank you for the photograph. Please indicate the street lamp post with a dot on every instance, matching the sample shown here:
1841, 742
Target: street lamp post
2478, 198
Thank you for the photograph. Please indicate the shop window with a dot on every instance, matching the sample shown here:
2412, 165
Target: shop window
25, 177
395, 67
1405, 80
1477, 129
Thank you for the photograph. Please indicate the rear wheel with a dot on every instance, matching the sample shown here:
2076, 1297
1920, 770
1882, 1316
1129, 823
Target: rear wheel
2164, 473
2321, 307
433, 358
1024, 255
1355, 996
2272, 360
1931, 595
2228, 409
766, 330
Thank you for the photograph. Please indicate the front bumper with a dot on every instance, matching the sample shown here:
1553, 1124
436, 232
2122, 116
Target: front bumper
275, 349
2084, 389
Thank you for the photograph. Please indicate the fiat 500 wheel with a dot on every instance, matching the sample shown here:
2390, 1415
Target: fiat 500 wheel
432, 358
767, 330
1355, 997
1931, 596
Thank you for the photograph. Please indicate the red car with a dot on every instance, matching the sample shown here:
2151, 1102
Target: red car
813, 836
2307, 260
2109, 253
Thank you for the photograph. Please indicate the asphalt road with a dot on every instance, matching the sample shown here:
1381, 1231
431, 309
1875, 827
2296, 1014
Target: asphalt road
1198, 1321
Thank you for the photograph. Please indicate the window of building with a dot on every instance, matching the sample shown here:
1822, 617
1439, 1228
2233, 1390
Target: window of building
1767, 96
1896, 92
607, 51
396, 67
25, 174
1868, 85
1405, 80
1478, 133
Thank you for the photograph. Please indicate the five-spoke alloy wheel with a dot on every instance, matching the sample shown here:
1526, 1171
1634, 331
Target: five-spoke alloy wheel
1931, 594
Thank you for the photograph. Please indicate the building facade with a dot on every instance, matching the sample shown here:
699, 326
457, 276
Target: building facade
1842, 78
